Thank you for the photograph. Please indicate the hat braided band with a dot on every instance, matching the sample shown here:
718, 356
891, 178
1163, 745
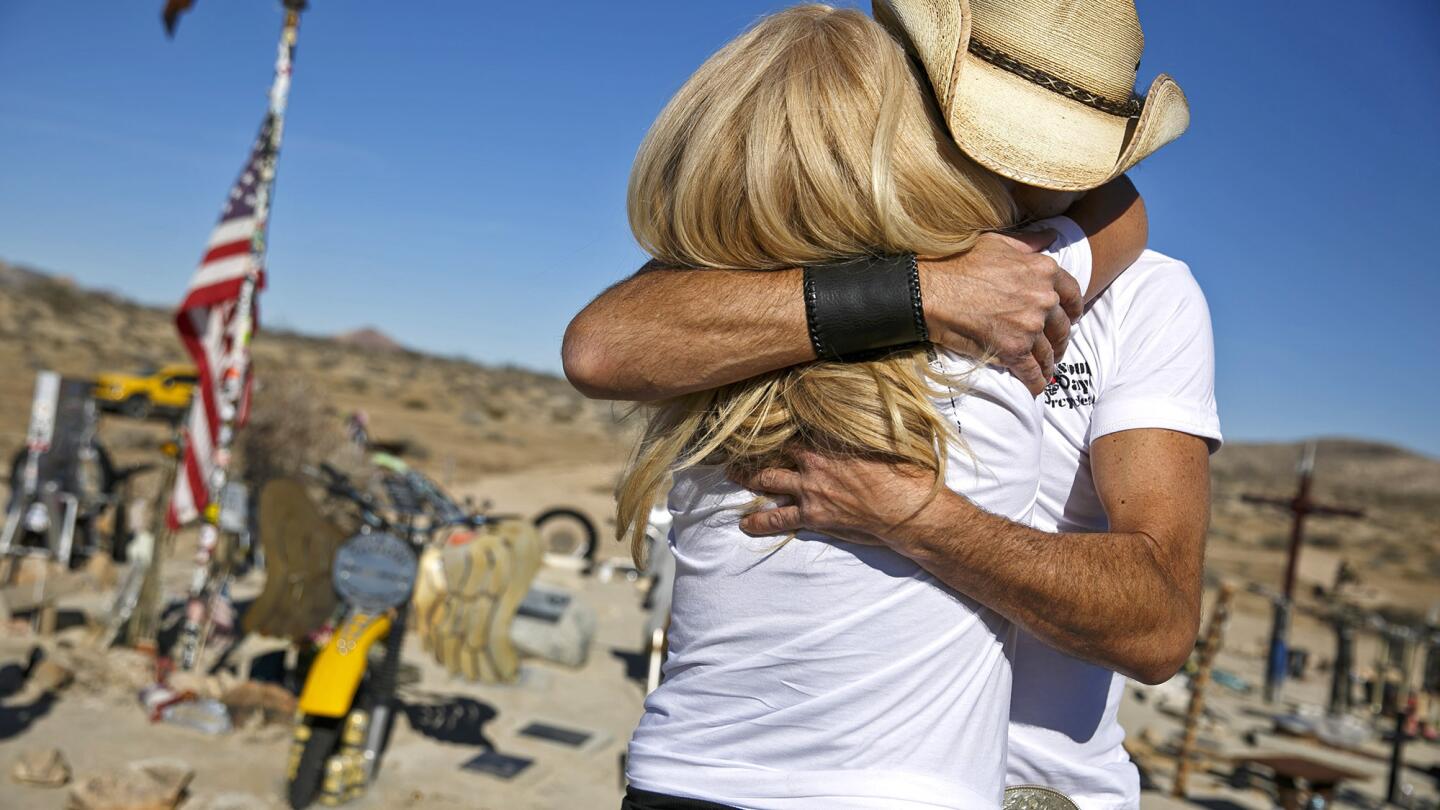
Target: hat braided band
1130, 108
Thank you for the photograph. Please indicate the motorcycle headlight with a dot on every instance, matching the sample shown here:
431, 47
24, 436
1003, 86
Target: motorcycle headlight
37, 518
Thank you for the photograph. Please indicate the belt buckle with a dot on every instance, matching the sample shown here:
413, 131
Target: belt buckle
1036, 797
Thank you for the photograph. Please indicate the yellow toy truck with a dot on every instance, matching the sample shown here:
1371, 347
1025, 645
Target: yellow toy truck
164, 392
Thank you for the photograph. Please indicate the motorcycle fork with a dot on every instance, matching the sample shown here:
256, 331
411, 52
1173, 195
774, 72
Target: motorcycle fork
383, 694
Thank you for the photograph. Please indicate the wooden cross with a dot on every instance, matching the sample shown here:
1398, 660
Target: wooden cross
1301, 506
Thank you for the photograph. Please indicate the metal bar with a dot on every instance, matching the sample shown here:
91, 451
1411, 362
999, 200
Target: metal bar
66, 538
1394, 788
1344, 666
1278, 660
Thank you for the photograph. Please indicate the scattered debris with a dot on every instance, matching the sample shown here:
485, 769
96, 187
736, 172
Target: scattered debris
228, 801
1345, 731
206, 715
554, 626
252, 704
1171, 697
496, 764
44, 767
120, 669
214, 686
80, 635
570, 737
1231, 681
100, 568
153, 784
48, 676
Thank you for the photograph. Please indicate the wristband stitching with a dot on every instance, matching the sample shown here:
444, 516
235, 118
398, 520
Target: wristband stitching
810, 321
918, 306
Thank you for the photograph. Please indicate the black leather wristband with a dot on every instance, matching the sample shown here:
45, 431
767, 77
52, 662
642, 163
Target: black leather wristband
858, 307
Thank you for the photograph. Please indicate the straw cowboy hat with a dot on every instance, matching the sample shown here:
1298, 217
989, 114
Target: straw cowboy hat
1041, 91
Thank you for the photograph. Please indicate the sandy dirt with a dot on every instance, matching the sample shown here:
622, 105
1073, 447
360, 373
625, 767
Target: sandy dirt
106, 728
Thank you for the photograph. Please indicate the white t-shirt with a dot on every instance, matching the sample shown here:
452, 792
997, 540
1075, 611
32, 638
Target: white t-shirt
1141, 357
829, 675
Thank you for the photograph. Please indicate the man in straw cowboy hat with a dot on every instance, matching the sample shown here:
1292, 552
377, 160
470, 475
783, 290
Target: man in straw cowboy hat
1107, 578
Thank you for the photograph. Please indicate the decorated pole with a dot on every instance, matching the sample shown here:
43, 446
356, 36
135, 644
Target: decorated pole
1214, 637
232, 377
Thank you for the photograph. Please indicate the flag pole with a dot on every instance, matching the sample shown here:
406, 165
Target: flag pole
235, 370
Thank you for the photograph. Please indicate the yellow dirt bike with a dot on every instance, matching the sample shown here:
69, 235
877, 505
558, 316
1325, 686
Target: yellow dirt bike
346, 707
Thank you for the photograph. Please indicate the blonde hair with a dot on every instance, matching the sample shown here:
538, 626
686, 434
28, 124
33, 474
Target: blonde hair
806, 139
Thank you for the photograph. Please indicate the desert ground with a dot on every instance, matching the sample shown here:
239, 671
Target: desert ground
524, 441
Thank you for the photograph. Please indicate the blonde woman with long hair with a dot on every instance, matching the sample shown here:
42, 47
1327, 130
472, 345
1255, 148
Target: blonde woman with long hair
812, 673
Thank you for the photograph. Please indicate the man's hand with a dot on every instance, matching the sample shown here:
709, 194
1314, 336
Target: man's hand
854, 499
1006, 297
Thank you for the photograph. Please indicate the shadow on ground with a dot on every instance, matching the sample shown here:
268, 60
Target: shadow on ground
637, 663
451, 719
16, 720
1217, 803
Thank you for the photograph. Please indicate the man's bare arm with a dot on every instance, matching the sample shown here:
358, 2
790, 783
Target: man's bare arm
669, 332
1127, 599
1115, 223
664, 332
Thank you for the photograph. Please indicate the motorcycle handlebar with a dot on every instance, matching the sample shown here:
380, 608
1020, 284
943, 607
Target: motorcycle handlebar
475, 521
336, 483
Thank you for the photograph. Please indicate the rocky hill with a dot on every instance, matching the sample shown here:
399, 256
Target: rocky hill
458, 417
1395, 547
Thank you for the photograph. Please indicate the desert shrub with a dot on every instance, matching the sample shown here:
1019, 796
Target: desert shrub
61, 297
416, 404
1389, 554
327, 361
415, 451
291, 425
1275, 542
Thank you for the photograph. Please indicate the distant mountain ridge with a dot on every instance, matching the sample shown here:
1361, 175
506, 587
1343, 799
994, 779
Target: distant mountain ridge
368, 337
1357, 468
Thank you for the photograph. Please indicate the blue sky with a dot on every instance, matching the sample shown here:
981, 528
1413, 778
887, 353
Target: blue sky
454, 173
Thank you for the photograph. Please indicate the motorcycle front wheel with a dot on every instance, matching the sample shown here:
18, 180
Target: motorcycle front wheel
317, 738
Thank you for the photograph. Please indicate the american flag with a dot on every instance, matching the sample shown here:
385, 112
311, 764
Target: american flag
215, 321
